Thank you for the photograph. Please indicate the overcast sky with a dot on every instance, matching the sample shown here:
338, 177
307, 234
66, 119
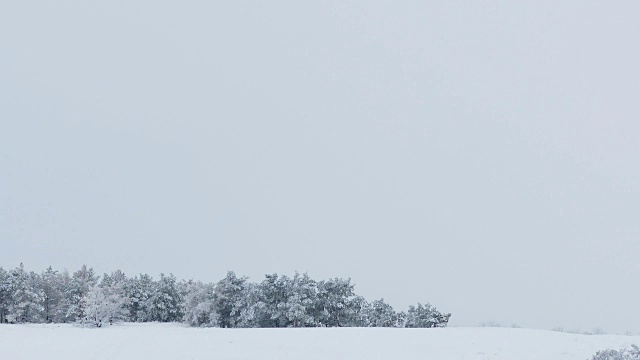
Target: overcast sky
482, 156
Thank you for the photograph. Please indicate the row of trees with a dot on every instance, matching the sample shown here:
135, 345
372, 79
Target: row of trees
277, 301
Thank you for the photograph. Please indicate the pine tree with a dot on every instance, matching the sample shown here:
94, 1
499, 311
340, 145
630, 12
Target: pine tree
4, 295
381, 314
359, 316
273, 296
337, 304
81, 282
26, 298
252, 309
228, 300
64, 313
301, 296
139, 290
52, 301
199, 309
116, 278
103, 305
165, 303
425, 316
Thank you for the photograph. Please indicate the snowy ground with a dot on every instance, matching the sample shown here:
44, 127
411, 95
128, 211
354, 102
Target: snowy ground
173, 341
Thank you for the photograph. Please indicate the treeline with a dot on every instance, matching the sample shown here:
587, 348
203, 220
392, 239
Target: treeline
278, 301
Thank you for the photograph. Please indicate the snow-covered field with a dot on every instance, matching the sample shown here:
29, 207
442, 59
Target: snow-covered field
173, 341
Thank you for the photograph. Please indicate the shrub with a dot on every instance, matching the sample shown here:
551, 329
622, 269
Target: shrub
624, 354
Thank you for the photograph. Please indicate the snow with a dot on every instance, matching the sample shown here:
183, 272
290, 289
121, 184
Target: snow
175, 341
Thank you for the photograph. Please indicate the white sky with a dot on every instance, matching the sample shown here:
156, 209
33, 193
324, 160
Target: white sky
478, 155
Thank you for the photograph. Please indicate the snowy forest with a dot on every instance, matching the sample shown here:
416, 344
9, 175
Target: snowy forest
85, 298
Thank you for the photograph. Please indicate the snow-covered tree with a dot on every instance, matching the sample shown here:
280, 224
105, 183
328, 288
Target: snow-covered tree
116, 278
51, 285
425, 316
337, 304
302, 293
103, 305
273, 295
26, 298
252, 309
139, 290
80, 283
402, 319
228, 299
286, 302
381, 314
115, 285
199, 309
359, 316
623, 354
64, 313
165, 303
114, 282
4, 294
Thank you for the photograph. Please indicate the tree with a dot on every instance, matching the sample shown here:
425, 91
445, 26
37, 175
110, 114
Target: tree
64, 312
4, 294
116, 278
102, 305
359, 316
26, 298
381, 314
199, 309
139, 290
113, 287
228, 299
165, 303
301, 295
337, 304
253, 312
52, 298
425, 316
278, 301
273, 294
79, 285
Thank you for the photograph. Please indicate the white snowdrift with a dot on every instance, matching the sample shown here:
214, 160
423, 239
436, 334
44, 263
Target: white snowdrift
173, 341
